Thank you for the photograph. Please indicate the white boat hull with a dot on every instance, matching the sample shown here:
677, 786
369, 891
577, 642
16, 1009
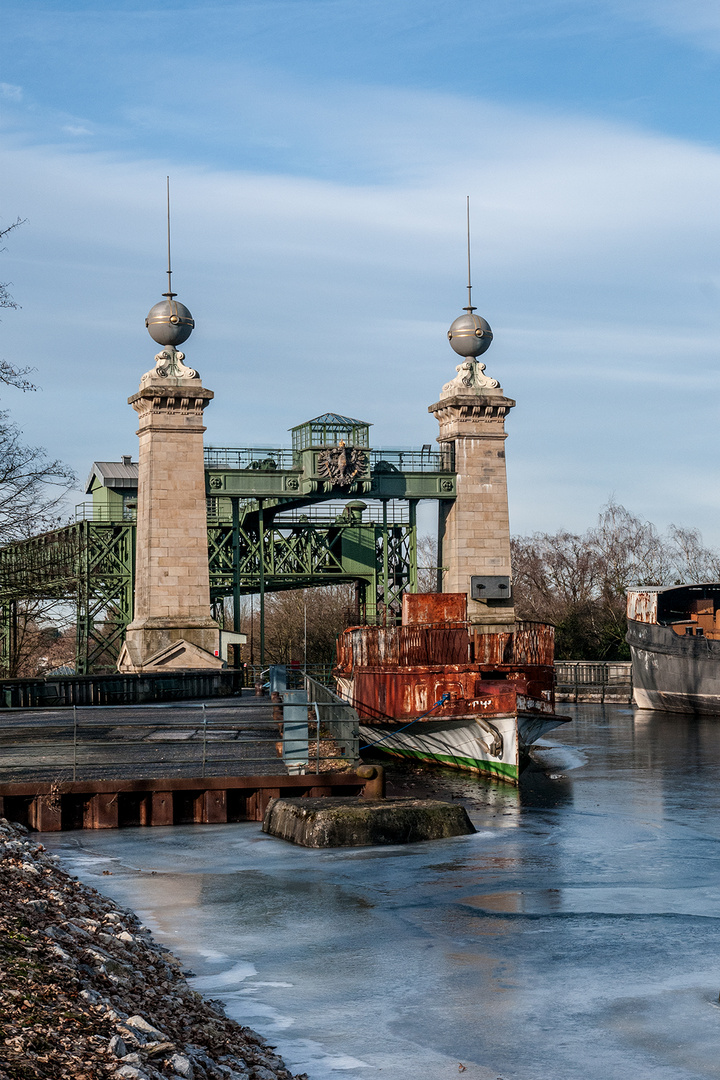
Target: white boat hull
489, 746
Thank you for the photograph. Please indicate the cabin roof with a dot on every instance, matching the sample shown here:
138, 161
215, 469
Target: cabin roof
113, 474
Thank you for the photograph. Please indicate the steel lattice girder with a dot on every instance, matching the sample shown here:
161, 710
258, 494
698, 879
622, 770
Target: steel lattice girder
92, 564
89, 564
295, 555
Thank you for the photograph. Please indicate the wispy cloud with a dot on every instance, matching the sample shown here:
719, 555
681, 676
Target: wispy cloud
693, 21
595, 259
76, 130
11, 92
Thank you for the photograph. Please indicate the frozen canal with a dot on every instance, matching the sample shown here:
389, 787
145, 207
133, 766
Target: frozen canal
576, 935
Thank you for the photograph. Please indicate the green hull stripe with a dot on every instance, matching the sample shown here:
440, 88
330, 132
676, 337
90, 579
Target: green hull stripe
497, 769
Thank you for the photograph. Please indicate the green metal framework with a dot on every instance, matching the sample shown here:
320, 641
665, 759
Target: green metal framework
89, 565
269, 528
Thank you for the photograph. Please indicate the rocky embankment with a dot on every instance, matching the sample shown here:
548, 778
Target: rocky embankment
86, 992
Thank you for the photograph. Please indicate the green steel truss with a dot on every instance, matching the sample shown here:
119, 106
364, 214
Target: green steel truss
269, 528
91, 565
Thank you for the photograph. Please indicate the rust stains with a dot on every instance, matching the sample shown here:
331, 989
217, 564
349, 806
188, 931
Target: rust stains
429, 609
642, 606
401, 672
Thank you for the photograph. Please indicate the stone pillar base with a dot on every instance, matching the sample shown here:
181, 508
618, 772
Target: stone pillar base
155, 644
474, 528
489, 621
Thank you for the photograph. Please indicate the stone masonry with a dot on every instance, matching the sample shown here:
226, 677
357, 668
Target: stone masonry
475, 532
172, 590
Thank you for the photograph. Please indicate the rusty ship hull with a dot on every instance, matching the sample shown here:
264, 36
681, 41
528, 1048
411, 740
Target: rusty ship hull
449, 694
674, 639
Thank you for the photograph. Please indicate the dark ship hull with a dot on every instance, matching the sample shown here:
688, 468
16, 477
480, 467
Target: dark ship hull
675, 659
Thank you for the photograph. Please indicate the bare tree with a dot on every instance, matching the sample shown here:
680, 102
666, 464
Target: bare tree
692, 561
303, 623
427, 557
6, 300
32, 486
32, 490
579, 582
44, 638
10, 374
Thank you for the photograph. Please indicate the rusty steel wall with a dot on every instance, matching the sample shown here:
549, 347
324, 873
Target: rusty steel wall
492, 649
534, 643
642, 606
421, 645
416, 646
402, 646
432, 609
404, 694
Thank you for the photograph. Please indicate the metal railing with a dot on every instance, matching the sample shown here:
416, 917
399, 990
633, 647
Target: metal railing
64, 691
255, 458
381, 459
385, 460
102, 690
90, 512
254, 675
330, 513
336, 717
593, 680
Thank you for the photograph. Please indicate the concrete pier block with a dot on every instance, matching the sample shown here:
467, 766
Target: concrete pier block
341, 822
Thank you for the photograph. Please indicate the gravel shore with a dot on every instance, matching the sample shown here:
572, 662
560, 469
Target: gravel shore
86, 992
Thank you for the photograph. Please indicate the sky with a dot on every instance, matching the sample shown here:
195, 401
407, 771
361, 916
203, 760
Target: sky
320, 153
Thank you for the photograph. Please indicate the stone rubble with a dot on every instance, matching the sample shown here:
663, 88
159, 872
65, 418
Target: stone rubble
85, 991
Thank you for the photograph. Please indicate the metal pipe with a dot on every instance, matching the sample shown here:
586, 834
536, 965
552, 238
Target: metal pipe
204, 749
261, 527
74, 742
412, 547
317, 738
386, 584
236, 563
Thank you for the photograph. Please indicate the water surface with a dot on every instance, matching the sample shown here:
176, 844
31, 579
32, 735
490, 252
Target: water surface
575, 935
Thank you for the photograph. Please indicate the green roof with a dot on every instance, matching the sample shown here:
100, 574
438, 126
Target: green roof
334, 418
328, 430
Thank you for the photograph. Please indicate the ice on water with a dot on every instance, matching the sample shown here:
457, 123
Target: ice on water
575, 935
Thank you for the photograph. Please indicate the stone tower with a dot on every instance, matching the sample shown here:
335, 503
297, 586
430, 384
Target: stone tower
172, 626
474, 548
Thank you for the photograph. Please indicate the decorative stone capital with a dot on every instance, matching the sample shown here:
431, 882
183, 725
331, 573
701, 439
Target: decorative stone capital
170, 400
463, 415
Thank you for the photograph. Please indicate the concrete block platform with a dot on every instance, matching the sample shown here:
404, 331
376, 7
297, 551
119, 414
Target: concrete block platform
354, 822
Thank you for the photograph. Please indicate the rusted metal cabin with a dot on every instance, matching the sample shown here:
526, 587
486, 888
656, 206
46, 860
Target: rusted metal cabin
399, 672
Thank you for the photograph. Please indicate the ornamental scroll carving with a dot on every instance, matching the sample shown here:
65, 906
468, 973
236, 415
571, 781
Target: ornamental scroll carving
169, 365
470, 379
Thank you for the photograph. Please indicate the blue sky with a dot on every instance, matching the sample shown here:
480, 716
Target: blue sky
320, 155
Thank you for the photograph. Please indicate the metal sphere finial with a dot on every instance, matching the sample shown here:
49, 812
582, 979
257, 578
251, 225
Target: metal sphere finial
169, 323
470, 335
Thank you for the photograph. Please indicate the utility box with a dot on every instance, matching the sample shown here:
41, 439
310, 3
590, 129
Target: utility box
295, 731
493, 587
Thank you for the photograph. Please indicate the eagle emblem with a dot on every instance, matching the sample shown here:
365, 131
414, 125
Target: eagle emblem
341, 464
